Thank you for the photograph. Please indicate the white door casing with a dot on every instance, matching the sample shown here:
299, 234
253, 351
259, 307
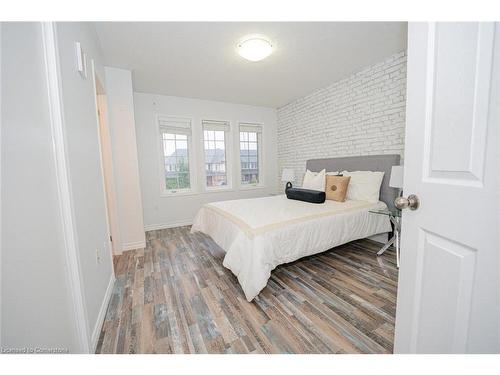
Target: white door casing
108, 176
448, 292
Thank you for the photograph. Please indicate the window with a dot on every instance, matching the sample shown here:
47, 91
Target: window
215, 146
250, 154
175, 141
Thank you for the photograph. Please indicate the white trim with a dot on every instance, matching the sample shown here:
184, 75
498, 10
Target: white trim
173, 224
1, 25
133, 245
76, 287
219, 189
116, 251
101, 163
180, 193
251, 187
102, 313
176, 193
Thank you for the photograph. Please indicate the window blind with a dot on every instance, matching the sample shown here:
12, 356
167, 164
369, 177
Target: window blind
216, 125
175, 125
245, 127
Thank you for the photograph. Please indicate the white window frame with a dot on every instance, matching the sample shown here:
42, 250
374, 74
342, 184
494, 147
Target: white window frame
259, 129
184, 126
226, 127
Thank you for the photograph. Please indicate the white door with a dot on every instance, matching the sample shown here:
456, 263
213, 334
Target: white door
449, 290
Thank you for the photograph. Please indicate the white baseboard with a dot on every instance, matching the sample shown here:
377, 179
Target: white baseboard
116, 252
102, 313
134, 245
174, 224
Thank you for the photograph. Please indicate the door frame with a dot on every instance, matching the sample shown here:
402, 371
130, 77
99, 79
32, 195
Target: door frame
63, 183
108, 181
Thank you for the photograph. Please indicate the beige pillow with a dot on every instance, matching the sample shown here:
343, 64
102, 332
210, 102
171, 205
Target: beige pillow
336, 187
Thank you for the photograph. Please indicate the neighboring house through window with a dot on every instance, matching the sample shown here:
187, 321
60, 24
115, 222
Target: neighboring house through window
175, 143
177, 169
250, 154
215, 150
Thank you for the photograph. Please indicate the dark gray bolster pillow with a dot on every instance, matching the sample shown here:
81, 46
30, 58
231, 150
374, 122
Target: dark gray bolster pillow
306, 195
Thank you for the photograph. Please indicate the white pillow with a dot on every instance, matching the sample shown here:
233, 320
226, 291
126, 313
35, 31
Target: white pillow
314, 181
364, 185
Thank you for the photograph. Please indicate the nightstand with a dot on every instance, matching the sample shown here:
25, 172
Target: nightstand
395, 218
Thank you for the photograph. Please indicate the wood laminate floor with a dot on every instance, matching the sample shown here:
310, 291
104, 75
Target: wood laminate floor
176, 297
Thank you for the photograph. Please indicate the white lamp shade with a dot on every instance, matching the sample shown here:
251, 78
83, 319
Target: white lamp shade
287, 175
396, 180
255, 48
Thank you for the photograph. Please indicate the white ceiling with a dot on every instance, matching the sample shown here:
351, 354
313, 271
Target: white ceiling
198, 59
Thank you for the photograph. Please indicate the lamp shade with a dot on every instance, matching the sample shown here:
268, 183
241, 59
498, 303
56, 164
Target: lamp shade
287, 175
396, 180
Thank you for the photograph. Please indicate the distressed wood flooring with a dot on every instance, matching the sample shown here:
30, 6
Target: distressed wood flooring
176, 297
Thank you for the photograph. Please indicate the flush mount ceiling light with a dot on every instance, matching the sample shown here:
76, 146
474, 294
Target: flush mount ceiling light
255, 48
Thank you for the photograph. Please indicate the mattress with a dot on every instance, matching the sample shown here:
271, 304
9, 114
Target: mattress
259, 234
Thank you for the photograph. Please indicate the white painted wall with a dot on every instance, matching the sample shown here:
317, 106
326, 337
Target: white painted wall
363, 114
161, 211
124, 152
36, 307
87, 185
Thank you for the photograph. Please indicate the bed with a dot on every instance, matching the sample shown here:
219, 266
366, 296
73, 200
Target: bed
259, 234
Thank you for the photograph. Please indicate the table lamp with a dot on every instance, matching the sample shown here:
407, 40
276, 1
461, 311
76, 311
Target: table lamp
396, 180
288, 176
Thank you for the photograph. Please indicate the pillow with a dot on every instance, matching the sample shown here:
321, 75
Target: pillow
336, 187
314, 181
306, 195
364, 185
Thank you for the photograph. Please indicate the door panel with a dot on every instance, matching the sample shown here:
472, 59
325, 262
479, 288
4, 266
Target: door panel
445, 297
459, 76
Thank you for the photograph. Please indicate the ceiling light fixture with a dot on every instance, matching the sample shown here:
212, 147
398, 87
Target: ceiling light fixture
255, 48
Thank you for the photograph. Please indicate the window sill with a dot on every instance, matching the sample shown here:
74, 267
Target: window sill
166, 194
256, 187
218, 190
210, 191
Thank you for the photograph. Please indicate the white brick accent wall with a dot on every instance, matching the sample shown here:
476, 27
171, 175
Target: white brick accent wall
363, 114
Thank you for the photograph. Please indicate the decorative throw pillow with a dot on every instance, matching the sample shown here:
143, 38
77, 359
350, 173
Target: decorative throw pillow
306, 195
314, 181
364, 185
336, 187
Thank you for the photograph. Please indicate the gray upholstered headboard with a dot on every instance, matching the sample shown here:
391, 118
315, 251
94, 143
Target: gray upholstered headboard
382, 163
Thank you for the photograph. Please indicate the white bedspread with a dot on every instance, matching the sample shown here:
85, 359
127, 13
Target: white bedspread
259, 234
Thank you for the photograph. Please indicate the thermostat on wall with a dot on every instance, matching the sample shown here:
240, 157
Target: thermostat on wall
81, 60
